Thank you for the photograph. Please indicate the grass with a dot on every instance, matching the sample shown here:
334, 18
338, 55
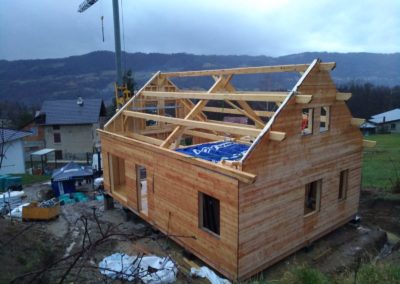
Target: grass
367, 274
381, 164
30, 179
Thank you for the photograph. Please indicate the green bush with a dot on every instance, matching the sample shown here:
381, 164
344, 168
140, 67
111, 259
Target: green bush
304, 275
379, 273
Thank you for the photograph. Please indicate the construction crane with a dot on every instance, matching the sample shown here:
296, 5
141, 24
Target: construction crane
122, 92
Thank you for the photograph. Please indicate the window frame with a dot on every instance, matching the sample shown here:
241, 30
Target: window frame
58, 154
58, 139
202, 198
310, 122
343, 184
317, 184
327, 119
142, 175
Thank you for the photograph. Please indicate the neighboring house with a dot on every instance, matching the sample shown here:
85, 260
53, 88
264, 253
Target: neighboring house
35, 141
387, 122
368, 128
12, 154
244, 196
70, 126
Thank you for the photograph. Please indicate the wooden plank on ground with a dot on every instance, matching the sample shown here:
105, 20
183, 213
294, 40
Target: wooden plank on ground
369, 143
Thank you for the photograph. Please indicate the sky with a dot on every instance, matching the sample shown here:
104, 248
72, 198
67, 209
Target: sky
31, 29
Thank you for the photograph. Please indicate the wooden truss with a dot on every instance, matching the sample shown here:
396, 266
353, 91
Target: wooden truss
147, 116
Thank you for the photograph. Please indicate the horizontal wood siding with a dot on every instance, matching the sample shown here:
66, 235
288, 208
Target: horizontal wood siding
271, 211
173, 191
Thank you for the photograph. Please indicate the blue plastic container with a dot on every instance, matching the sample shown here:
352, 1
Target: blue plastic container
2, 182
12, 180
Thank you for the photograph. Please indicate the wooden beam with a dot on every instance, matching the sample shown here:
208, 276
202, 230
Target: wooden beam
115, 116
195, 124
231, 123
190, 105
258, 122
327, 66
249, 70
369, 143
357, 121
243, 96
204, 135
249, 112
239, 96
235, 111
277, 135
303, 99
165, 129
178, 131
237, 174
343, 96
150, 140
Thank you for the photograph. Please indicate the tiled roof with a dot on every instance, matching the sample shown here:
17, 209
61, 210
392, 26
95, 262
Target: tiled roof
7, 135
70, 112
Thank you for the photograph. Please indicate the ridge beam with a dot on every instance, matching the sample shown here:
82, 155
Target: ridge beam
326, 66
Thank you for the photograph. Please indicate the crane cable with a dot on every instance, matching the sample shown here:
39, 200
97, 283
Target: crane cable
102, 20
123, 33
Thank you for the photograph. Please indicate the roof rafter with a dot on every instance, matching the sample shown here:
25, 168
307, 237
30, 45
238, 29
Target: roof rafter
178, 131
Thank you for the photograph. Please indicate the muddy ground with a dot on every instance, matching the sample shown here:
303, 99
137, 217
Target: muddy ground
71, 246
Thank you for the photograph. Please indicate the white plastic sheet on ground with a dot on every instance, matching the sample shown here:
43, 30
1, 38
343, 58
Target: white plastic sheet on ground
17, 211
150, 269
11, 199
205, 272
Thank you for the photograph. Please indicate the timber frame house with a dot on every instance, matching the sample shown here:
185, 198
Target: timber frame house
297, 179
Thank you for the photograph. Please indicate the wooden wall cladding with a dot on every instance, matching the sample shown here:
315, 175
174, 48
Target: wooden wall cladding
262, 217
173, 188
271, 211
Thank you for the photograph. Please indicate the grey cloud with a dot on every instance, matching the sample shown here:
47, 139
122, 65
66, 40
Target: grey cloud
48, 28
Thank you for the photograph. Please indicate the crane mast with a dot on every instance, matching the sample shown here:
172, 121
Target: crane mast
122, 93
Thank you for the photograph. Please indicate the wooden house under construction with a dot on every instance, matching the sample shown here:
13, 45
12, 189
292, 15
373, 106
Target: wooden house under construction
239, 193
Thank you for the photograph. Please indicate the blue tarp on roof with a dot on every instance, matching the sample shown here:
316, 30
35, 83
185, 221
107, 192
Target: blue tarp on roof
71, 171
216, 151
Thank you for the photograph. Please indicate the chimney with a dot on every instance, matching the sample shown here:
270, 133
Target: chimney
79, 101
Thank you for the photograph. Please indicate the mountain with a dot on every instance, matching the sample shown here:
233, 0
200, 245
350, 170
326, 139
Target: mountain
92, 75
